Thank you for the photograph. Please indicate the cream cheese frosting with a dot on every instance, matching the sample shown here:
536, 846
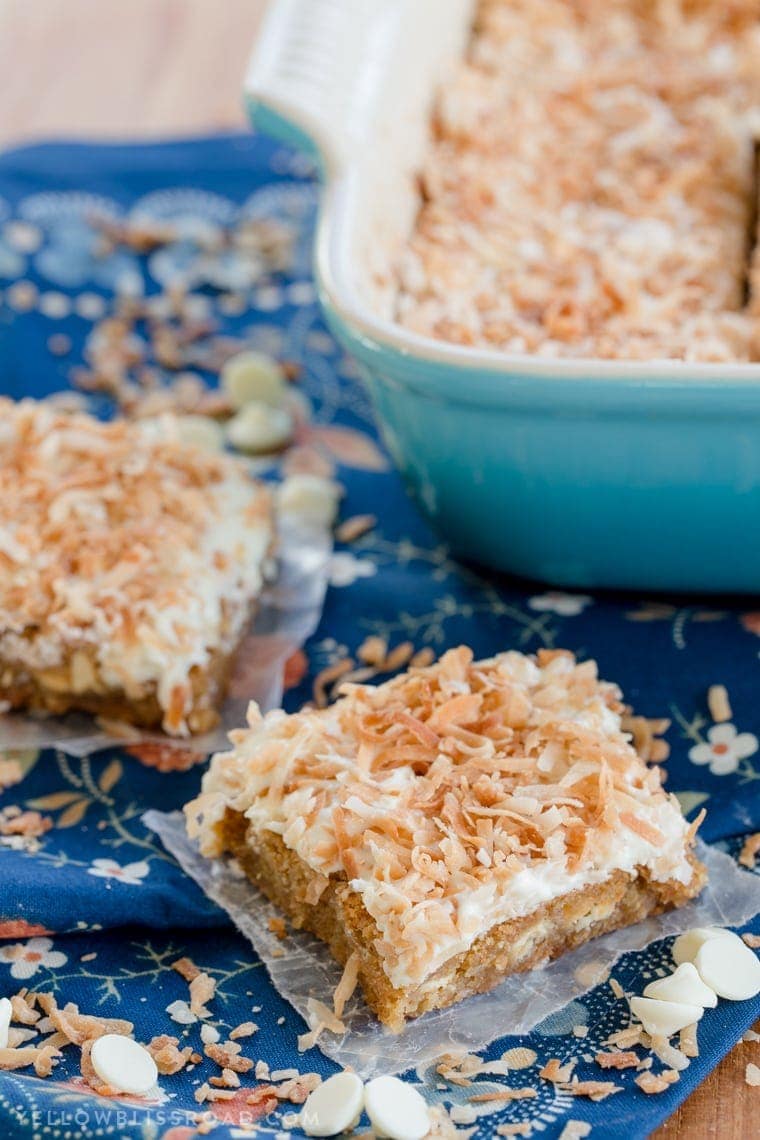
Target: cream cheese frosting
454, 797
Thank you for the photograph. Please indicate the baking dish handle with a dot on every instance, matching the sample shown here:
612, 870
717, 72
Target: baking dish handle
305, 79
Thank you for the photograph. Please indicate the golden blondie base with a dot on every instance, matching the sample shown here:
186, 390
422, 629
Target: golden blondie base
76, 687
340, 919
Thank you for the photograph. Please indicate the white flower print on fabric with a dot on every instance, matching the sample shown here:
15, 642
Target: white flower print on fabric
555, 602
724, 749
345, 569
131, 873
27, 958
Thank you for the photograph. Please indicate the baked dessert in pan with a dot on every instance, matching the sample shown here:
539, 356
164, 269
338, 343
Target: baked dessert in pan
130, 566
452, 826
590, 185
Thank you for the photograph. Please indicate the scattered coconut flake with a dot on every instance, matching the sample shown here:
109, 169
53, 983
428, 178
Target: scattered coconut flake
245, 1029
752, 1075
688, 1041
11, 1059
283, 1074
227, 1056
347, 984
228, 1080
670, 1056
321, 1017
749, 852
355, 527
186, 968
80, 1027
168, 1056
46, 1060
463, 1114
22, 1011
594, 1090
617, 1060
652, 1083
631, 1035
718, 703
278, 927
202, 990
556, 1072
373, 651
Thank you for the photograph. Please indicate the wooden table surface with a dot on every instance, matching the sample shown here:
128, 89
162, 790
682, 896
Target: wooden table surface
114, 68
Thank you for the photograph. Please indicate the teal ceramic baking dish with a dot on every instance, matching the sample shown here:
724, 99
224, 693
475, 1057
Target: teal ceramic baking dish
581, 473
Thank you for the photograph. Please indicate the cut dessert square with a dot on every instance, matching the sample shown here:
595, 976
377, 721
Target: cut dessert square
452, 826
130, 564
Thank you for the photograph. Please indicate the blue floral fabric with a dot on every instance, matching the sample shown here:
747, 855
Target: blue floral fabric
96, 910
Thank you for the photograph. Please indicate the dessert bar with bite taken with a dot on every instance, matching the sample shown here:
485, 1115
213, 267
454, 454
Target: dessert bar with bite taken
130, 566
451, 826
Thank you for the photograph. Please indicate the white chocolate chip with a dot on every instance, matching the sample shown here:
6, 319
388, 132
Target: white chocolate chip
259, 428
730, 968
123, 1064
664, 1018
310, 497
685, 985
686, 946
202, 431
334, 1106
6, 1011
250, 376
396, 1110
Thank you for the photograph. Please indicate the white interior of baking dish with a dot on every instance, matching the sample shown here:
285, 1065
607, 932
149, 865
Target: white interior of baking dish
358, 78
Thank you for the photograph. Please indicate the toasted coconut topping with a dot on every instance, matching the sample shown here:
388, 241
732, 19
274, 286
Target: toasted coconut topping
127, 558
453, 797
587, 191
